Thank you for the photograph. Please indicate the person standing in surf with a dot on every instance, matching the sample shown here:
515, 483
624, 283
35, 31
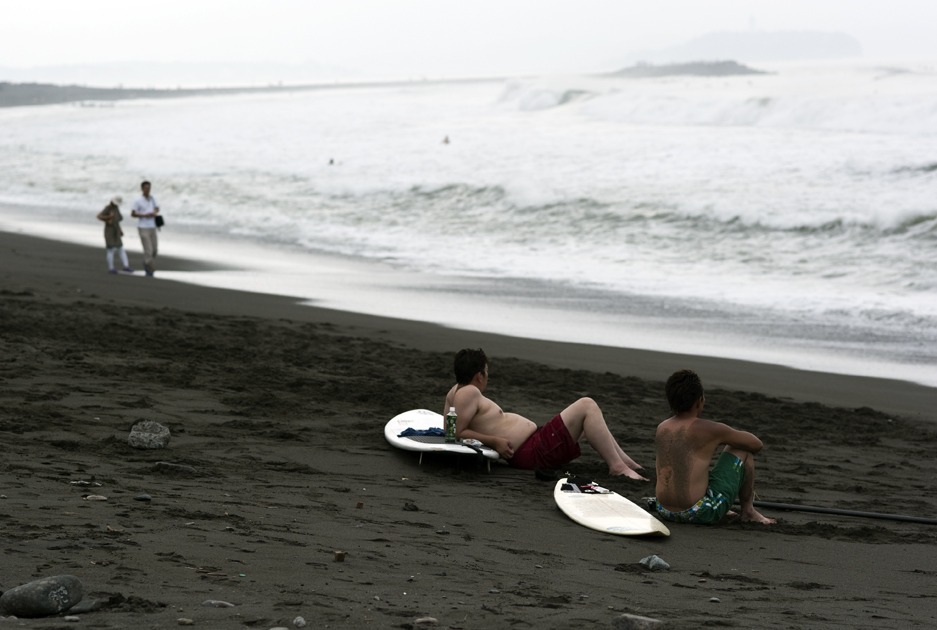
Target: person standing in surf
687, 490
145, 210
518, 440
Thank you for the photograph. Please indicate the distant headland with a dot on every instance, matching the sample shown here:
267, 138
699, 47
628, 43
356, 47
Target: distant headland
695, 68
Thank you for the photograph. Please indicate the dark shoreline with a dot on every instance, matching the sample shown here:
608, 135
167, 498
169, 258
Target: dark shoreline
912, 400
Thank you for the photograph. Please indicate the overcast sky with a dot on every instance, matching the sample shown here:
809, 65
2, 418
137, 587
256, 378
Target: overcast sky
431, 37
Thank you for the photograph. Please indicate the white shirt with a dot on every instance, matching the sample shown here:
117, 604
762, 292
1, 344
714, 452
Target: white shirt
145, 205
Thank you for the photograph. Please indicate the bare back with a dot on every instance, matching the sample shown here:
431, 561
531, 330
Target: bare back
685, 446
481, 418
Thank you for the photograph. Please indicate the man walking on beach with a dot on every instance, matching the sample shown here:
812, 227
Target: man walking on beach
687, 491
145, 210
520, 441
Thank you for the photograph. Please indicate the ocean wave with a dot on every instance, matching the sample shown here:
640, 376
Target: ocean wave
882, 114
922, 227
527, 98
860, 100
504, 209
918, 169
404, 225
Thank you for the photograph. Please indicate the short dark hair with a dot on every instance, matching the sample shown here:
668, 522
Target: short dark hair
468, 363
683, 389
145, 183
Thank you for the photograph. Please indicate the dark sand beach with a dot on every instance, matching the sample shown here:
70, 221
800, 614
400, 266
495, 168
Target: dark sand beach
277, 410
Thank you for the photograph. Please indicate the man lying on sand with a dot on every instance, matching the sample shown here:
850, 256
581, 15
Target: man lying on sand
520, 441
687, 491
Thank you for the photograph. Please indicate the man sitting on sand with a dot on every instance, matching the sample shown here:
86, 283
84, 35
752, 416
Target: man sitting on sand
687, 491
520, 441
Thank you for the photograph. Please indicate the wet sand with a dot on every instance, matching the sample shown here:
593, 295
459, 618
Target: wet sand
278, 410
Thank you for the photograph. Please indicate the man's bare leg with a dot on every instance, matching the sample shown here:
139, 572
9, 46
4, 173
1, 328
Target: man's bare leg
747, 491
584, 417
624, 456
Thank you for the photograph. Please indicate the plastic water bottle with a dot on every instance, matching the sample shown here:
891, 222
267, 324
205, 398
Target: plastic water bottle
450, 425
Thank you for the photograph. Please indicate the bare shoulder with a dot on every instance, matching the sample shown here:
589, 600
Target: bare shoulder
687, 425
666, 426
461, 395
692, 430
465, 393
712, 427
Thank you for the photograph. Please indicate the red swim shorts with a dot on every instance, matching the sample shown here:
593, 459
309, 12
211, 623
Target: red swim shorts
550, 446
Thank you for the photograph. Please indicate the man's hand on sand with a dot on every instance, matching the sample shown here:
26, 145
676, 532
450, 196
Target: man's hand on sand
629, 473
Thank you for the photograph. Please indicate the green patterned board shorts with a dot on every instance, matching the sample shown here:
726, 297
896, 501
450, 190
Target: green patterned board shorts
725, 480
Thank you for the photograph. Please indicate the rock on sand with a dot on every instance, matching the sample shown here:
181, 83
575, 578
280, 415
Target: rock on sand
148, 434
43, 597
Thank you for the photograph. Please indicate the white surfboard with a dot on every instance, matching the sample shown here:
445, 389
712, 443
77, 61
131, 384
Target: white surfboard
421, 420
603, 510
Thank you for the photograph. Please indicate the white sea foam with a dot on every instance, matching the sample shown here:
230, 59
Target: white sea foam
794, 207
868, 98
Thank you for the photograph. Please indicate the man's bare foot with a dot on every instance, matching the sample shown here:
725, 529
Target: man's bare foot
754, 516
632, 464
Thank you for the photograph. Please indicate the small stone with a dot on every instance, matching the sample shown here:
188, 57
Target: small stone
143, 497
148, 434
339, 556
655, 563
715, 600
217, 603
185, 621
425, 621
95, 497
43, 597
635, 622
71, 618
359, 505
410, 507
299, 622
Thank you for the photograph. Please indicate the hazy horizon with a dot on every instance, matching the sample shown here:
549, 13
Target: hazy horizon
61, 41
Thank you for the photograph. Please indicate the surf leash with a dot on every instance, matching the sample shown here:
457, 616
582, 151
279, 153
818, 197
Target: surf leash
841, 512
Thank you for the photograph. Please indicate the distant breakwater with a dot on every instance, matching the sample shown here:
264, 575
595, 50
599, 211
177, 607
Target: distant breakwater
30, 94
